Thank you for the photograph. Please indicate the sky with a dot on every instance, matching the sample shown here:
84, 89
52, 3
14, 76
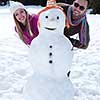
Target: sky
85, 70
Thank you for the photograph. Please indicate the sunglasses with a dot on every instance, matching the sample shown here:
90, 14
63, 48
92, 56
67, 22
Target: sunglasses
78, 5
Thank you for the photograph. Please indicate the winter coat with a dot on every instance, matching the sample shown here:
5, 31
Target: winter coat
34, 29
72, 30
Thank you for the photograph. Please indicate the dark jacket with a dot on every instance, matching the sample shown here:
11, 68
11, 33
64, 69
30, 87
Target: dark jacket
72, 30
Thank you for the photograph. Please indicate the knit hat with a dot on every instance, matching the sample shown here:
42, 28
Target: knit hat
51, 2
15, 5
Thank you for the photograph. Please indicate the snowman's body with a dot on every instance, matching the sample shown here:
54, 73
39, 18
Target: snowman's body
51, 58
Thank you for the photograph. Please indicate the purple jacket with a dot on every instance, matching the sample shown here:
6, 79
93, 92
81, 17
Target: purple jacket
33, 25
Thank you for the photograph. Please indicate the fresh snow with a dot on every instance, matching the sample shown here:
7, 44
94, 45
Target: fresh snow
15, 68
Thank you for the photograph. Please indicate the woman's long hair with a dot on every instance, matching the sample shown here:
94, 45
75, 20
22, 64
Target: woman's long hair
19, 29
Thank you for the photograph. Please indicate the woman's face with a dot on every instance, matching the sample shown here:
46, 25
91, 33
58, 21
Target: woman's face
79, 7
20, 15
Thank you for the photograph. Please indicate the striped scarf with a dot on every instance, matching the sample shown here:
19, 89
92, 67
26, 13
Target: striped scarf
80, 19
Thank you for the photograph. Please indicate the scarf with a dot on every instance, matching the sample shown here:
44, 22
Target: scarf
80, 19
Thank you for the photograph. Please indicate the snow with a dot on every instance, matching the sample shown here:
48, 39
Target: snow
15, 68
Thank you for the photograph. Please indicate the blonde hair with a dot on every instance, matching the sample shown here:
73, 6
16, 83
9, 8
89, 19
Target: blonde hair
19, 29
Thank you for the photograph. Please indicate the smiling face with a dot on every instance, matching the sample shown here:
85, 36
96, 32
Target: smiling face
20, 15
52, 20
79, 7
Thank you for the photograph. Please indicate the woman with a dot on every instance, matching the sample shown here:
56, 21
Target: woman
26, 24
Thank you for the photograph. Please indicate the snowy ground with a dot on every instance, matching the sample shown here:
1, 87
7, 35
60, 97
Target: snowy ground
15, 68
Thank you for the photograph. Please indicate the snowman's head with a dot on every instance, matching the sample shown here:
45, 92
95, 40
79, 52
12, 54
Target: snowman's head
52, 20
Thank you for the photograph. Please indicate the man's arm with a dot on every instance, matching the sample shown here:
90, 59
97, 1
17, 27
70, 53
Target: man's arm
77, 43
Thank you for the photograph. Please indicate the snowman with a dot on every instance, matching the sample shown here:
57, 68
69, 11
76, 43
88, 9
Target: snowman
51, 57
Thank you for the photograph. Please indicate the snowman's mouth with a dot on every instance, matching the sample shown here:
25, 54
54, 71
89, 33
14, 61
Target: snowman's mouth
50, 28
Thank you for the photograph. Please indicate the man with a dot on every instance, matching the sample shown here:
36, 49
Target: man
77, 23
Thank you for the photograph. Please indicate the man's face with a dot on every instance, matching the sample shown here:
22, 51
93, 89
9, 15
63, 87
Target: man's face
79, 7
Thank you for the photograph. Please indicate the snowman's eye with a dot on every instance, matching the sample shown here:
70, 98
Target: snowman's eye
57, 17
46, 16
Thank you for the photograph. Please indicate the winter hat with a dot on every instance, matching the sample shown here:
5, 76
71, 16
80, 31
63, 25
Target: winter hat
51, 2
15, 5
